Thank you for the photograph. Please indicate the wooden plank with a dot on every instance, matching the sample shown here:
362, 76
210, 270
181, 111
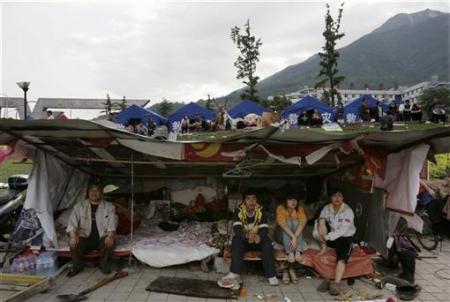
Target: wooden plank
38, 287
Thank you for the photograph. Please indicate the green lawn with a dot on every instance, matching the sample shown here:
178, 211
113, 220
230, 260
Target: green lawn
11, 167
370, 128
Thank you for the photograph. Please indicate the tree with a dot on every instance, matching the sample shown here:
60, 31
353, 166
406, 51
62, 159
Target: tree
165, 107
248, 46
123, 104
328, 75
208, 103
430, 96
278, 103
107, 105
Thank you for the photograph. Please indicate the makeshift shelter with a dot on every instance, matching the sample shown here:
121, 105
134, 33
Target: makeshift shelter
190, 110
352, 109
144, 114
263, 158
246, 107
307, 103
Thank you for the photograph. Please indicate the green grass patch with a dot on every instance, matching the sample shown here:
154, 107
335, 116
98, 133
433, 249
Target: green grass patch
442, 168
11, 167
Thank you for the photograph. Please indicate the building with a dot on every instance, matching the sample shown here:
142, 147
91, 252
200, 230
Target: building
411, 93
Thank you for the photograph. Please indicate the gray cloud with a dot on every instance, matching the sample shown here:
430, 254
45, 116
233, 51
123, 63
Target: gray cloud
181, 51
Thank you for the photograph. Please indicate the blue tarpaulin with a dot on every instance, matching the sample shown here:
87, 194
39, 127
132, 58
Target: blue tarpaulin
191, 110
144, 114
307, 103
352, 109
246, 107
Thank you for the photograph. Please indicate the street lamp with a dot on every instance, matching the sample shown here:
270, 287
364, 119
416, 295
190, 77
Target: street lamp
24, 86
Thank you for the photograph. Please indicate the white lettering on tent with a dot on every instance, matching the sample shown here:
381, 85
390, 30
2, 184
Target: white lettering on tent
326, 118
176, 127
350, 118
293, 118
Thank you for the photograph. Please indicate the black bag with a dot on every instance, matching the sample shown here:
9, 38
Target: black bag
387, 123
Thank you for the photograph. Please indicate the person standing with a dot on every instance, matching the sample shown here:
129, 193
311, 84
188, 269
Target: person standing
250, 233
335, 229
92, 226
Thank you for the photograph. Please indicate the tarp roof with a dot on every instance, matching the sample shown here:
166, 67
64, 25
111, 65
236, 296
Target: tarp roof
246, 107
99, 148
191, 110
144, 114
307, 103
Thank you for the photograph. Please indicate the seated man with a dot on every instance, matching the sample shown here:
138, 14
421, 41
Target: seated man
92, 226
335, 228
250, 233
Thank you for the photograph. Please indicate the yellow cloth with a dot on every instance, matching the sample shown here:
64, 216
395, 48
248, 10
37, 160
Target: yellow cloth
242, 214
283, 215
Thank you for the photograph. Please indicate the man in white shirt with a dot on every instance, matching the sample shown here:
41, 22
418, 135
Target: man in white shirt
335, 228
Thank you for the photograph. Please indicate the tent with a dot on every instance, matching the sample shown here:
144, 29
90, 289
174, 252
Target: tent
351, 110
191, 110
307, 103
246, 107
144, 114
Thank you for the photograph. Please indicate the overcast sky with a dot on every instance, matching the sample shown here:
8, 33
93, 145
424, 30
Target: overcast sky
178, 50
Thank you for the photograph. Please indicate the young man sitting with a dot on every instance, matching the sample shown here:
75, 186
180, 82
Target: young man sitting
335, 228
92, 226
250, 233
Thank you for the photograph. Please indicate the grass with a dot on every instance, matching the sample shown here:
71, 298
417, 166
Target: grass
371, 128
11, 167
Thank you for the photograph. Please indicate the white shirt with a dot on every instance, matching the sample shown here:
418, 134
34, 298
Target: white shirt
341, 223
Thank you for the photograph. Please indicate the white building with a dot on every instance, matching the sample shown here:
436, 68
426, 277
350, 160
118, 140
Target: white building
411, 93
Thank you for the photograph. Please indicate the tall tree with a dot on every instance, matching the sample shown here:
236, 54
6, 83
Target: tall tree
123, 104
248, 46
165, 107
328, 76
208, 103
107, 105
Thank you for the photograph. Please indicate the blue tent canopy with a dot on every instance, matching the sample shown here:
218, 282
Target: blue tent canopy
307, 103
144, 114
352, 109
191, 110
246, 107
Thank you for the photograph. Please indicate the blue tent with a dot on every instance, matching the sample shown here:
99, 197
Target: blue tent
191, 110
144, 114
352, 109
307, 103
246, 107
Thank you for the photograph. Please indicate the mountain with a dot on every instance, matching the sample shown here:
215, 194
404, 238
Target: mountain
405, 50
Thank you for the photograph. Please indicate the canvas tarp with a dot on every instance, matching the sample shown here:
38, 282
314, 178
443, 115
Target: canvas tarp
144, 114
246, 107
190, 110
292, 112
53, 185
352, 109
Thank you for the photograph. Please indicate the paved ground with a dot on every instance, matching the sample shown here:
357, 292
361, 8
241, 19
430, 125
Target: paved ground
132, 288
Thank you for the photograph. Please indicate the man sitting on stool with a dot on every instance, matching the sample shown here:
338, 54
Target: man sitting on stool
335, 228
250, 233
92, 226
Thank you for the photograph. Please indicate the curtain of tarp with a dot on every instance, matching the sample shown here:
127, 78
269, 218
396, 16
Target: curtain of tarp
402, 178
53, 185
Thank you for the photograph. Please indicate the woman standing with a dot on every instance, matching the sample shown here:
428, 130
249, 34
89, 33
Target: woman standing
292, 220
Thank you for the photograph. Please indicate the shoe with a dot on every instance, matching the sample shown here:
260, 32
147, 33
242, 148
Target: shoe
334, 289
231, 281
293, 275
74, 271
285, 278
273, 281
324, 286
291, 258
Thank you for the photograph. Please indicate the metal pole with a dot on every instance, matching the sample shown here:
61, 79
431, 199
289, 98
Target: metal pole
25, 104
